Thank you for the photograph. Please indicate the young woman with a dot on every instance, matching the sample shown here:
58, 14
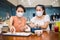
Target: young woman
41, 19
18, 22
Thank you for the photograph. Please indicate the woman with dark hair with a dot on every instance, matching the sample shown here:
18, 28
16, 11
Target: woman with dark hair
43, 7
41, 20
18, 22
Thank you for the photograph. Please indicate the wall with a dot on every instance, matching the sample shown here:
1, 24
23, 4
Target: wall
29, 11
49, 11
4, 8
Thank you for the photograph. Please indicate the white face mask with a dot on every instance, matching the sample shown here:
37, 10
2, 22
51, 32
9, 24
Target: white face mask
39, 13
19, 14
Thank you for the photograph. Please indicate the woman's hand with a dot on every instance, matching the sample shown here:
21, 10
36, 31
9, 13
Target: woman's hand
27, 28
32, 25
12, 29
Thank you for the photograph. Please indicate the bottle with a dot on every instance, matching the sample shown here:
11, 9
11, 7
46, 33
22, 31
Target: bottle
56, 26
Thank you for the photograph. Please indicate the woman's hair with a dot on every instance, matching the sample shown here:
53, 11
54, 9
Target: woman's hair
43, 7
21, 6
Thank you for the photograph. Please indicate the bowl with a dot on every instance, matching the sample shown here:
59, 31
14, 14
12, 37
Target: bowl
38, 32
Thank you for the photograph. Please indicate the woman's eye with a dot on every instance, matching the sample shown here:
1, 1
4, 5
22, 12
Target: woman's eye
20, 11
38, 10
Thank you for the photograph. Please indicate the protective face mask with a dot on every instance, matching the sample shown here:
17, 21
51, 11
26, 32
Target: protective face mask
19, 14
39, 13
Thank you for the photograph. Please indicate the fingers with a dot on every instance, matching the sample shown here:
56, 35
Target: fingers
28, 29
12, 29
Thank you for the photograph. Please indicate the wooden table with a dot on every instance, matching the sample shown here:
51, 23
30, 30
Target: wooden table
50, 35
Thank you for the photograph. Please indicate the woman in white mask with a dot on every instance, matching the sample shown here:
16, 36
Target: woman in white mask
18, 22
41, 20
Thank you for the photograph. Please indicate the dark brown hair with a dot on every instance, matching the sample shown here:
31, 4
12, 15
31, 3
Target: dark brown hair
21, 7
43, 7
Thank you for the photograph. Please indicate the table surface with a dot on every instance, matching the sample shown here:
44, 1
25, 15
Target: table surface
46, 35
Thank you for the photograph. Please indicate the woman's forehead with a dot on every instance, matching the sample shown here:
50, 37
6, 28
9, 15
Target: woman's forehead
20, 8
38, 8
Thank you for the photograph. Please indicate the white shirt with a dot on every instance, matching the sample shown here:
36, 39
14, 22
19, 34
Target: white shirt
42, 21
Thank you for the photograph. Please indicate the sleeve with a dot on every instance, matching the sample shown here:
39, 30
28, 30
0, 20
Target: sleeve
47, 18
33, 20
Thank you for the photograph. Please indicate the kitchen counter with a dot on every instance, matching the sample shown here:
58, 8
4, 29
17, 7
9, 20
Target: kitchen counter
50, 35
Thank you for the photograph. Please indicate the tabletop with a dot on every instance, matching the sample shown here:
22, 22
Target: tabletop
46, 35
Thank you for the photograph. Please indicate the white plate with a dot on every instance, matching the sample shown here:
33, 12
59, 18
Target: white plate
18, 34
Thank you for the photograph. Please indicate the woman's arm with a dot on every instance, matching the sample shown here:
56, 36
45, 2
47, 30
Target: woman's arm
12, 28
45, 25
11, 21
46, 22
32, 24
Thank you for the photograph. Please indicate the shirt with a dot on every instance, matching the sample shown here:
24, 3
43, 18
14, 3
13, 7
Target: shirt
42, 21
18, 23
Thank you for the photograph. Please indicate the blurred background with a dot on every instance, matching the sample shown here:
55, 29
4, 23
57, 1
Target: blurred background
7, 9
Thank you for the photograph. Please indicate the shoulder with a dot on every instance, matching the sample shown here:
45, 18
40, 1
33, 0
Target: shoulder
24, 18
33, 19
13, 16
47, 16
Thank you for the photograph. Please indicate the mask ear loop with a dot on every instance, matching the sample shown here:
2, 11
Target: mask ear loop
43, 12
